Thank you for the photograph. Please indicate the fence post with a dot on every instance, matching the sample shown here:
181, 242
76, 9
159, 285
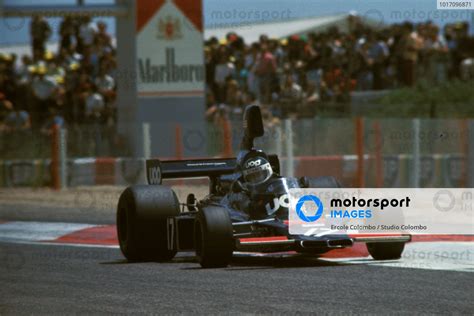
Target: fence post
360, 152
227, 134
55, 158
470, 154
278, 140
58, 157
415, 175
179, 148
179, 143
146, 140
464, 127
379, 170
63, 157
290, 163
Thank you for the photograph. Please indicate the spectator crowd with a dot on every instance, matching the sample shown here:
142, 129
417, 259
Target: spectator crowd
296, 75
73, 85
293, 76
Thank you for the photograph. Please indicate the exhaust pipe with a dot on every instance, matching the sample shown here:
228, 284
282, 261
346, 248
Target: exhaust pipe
289, 244
338, 243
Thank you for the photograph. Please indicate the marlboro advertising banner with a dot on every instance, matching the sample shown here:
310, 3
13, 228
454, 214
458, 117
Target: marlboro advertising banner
170, 48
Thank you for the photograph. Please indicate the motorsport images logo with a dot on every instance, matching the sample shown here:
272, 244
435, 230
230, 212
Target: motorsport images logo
314, 211
355, 208
301, 213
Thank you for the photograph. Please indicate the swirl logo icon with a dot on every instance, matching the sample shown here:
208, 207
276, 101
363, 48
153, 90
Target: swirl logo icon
307, 199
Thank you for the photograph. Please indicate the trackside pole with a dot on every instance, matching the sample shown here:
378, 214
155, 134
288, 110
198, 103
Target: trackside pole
290, 162
360, 151
63, 157
470, 154
278, 140
415, 175
379, 172
464, 127
55, 179
227, 134
146, 141
179, 143
179, 148
58, 158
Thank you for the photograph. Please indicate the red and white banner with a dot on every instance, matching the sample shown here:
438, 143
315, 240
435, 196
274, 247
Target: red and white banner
170, 59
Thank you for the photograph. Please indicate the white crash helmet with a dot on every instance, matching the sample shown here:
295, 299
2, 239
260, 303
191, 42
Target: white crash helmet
256, 170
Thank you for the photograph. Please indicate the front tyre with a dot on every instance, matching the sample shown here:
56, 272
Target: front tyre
213, 238
142, 214
386, 250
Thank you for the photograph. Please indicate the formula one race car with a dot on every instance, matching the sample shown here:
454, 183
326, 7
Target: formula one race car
246, 210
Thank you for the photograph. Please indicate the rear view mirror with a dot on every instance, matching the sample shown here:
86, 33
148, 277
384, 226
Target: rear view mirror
253, 126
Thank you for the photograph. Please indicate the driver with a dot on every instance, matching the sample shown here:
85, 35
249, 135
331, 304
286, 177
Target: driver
256, 168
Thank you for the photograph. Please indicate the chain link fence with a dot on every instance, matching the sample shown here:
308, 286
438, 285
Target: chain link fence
309, 137
394, 152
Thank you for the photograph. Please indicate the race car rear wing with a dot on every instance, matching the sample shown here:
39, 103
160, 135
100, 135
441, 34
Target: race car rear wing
157, 170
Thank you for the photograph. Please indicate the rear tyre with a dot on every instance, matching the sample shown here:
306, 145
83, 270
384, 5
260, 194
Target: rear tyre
142, 214
386, 250
213, 238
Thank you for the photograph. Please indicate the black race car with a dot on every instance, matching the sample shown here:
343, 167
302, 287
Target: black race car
246, 210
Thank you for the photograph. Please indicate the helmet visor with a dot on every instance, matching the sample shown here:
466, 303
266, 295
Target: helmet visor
258, 174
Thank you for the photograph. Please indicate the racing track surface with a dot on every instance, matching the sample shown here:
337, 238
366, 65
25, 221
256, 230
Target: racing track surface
65, 279
55, 278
